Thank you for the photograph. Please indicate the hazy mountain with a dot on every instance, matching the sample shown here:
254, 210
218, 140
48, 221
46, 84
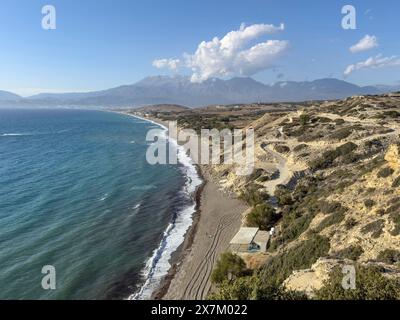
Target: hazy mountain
386, 88
8, 96
179, 90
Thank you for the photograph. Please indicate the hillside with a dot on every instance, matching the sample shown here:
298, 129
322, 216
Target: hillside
338, 190
332, 172
9, 96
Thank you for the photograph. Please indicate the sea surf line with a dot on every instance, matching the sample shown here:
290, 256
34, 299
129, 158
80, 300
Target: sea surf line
158, 264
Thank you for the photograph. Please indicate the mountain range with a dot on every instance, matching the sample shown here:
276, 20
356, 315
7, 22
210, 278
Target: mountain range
180, 90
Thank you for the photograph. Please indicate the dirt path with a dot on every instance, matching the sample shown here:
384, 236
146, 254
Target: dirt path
220, 218
284, 173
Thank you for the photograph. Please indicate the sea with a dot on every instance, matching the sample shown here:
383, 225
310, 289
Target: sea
77, 194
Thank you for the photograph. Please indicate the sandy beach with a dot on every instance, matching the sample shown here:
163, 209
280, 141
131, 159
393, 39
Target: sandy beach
216, 220
219, 218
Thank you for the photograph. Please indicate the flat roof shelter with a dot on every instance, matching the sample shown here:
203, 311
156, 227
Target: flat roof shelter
249, 240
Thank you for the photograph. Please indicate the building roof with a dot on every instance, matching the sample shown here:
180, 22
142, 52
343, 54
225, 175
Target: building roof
244, 236
261, 237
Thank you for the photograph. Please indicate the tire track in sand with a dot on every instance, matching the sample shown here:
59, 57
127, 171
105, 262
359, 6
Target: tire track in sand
195, 289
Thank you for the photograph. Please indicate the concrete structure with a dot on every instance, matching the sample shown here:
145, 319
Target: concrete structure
249, 240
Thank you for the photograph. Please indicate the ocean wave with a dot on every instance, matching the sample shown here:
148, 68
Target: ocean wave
25, 134
158, 265
15, 134
144, 187
136, 206
104, 197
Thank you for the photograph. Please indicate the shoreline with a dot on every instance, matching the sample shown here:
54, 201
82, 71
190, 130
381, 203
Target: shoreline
219, 218
216, 218
177, 255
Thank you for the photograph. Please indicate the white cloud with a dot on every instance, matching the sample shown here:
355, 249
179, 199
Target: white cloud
366, 43
233, 54
172, 64
373, 63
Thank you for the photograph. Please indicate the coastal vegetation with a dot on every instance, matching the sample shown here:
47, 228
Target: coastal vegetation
349, 193
228, 268
370, 285
262, 216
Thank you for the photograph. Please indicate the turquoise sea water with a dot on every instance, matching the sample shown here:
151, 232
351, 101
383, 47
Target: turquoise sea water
77, 193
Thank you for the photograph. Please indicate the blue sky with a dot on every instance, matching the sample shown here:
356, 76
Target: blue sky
102, 44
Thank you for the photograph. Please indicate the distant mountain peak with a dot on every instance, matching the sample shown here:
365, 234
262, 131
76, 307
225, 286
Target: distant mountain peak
179, 90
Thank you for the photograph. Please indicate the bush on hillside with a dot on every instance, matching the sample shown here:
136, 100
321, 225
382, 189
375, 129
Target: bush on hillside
302, 256
262, 216
253, 196
375, 228
389, 256
370, 285
385, 172
228, 267
283, 196
252, 288
352, 253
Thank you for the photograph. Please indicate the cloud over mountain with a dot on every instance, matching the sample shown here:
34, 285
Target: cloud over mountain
373, 63
234, 54
366, 43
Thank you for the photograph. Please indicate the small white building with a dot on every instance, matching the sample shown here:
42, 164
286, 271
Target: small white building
250, 240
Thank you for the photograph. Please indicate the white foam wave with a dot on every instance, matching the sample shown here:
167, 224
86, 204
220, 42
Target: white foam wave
158, 265
136, 206
104, 197
14, 134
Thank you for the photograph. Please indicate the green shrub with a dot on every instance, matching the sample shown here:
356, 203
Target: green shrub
300, 147
242, 288
262, 216
396, 182
374, 227
328, 157
391, 114
395, 217
228, 267
352, 253
283, 196
350, 223
332, 219
328, 207
370, 190
370, 285
302, 256
252, 288
253, 196
255, 174
342, 133
385, 172
369, 203
296, 228
282, 148
389, 256
304, 119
